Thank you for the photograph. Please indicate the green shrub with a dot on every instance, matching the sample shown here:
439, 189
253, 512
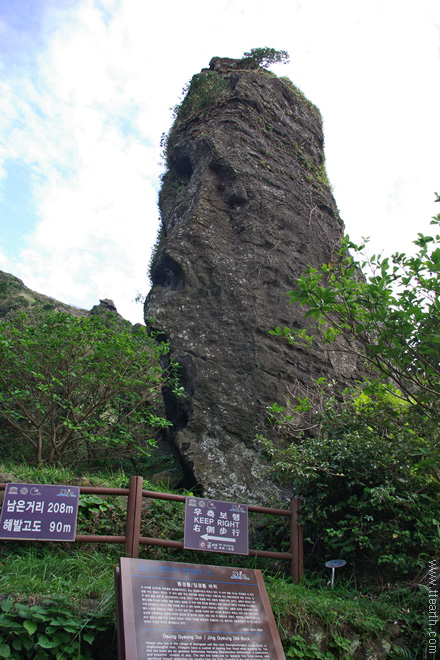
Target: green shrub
78, 390
369, 479
46, 630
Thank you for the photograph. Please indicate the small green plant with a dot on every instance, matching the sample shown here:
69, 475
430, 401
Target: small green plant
173, 183
202, 91
45, 631
101, 516
297, 92
342, 646
298, 647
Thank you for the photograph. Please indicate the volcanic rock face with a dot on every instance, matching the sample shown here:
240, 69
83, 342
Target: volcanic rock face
245, 208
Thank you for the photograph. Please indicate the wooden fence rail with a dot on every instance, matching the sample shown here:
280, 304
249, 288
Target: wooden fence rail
133, 538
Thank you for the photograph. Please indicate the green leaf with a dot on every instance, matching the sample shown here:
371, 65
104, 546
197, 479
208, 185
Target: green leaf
46, 643
28, 643
6, 605
17, 644
5, 651
30, 626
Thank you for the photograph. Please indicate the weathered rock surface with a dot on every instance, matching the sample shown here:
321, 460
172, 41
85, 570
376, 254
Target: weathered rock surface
245, 208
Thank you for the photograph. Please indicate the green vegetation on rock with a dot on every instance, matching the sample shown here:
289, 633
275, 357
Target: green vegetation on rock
202, 91
389, 317
266, 56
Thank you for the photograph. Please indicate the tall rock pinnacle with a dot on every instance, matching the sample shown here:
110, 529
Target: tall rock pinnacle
245, 207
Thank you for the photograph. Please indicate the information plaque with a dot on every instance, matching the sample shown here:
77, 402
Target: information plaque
193, 611
36, 512
216, 526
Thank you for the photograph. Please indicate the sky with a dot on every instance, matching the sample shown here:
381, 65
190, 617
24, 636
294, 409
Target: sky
86, 91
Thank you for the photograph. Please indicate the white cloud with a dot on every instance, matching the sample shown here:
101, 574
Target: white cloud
93, 180
86, 112
372, 70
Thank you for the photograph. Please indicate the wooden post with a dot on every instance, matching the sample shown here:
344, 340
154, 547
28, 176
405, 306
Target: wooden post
296, 542
133, 523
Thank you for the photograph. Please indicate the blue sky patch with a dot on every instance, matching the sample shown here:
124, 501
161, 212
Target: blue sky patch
17, 210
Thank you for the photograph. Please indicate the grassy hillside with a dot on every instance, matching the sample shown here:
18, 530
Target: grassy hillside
15, 296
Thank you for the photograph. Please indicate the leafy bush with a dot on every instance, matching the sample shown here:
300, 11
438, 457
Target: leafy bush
369, 478
386, 309
101, 515
45, 631
75, 389
369, 465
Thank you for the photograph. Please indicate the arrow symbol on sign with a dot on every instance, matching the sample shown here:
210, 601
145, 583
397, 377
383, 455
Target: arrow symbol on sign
217, 538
